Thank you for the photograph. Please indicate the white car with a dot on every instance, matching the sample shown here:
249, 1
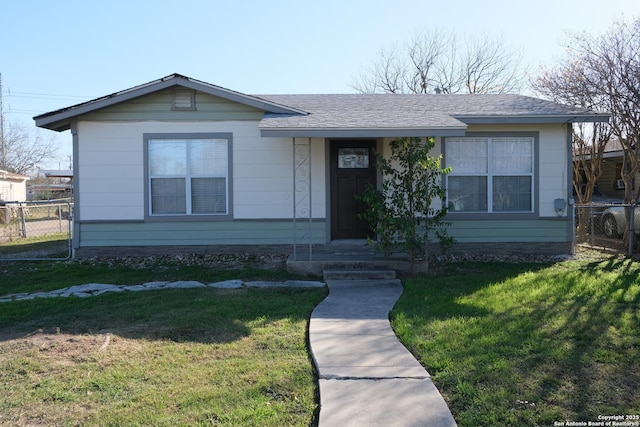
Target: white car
614, 221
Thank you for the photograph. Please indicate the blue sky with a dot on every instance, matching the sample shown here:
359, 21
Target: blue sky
54, 54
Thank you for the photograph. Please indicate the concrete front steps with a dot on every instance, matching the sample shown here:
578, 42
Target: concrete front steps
347, 262
348, 255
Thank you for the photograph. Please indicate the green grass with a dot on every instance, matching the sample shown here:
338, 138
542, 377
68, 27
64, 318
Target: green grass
46, 246
507, 344
154, 358
528, 344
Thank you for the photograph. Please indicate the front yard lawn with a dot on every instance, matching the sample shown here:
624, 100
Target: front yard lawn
528, 344
154, 358
507, 344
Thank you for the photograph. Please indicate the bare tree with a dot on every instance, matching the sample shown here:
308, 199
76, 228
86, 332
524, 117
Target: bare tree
386, 74
435, 61
423, 53
603, 73
21, 152
568, 84
490, 68
612, 64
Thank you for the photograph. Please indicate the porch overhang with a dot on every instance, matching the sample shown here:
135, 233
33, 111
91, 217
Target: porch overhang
361, 133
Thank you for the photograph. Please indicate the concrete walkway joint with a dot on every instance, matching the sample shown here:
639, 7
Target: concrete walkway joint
367, 377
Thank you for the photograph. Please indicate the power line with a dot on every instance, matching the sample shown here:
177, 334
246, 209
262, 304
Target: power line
46, 96
8, 93
20, 111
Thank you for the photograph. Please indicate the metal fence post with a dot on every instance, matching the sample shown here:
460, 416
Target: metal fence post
23, 222
632, 232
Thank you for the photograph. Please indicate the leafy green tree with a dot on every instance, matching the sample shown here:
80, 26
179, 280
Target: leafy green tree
400, 212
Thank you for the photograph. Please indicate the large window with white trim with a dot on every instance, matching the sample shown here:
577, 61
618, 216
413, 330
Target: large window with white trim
490, 174
188, 175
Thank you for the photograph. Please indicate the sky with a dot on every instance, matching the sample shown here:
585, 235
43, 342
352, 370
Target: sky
54, 54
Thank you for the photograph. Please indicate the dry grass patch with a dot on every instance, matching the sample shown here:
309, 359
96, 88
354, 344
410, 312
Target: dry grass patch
170, 357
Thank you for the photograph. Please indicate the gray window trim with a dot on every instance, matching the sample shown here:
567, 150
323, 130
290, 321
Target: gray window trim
536, 179
195, 218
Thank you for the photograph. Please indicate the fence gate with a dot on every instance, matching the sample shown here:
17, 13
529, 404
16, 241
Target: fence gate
35, 230
605, 226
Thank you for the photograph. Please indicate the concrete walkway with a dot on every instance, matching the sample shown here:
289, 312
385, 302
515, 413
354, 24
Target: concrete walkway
367, 377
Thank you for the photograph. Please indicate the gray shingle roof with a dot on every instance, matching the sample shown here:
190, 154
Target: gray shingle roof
410, 114
365, 115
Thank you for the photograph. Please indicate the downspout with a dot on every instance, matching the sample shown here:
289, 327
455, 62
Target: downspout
75, 214
572, 222
310, 206
295, 231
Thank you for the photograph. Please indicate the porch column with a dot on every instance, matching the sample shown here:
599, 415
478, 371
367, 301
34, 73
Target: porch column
302, 215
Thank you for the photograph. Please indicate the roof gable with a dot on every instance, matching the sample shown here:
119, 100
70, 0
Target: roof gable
60, 120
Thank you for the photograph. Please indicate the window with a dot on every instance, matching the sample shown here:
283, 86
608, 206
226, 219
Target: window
353, 158
188, 175
490, 174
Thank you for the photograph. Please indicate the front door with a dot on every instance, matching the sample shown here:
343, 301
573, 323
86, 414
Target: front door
352, 167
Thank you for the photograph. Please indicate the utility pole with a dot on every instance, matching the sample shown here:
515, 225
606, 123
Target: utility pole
3, 153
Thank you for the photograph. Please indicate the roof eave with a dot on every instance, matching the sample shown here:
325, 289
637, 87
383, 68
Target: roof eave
361, 132
537, 119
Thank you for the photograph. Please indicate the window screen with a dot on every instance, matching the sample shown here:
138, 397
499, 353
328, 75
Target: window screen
188, 176
490, 174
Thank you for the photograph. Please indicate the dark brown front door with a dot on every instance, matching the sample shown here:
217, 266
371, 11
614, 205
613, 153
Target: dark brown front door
352, 167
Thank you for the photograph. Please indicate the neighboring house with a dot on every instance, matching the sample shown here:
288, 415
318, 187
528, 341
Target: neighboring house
610, 182
59, 185
13, 187
180, 162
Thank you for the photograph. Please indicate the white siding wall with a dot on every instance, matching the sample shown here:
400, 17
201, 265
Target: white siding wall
552, 160
13, 191
263, 177
111, 169
553, 170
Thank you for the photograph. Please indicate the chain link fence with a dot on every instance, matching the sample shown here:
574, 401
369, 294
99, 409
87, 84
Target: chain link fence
608, 226
42, 230
35, 230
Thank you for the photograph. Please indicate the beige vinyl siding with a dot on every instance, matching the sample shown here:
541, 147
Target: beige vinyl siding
258, 232
157, 106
